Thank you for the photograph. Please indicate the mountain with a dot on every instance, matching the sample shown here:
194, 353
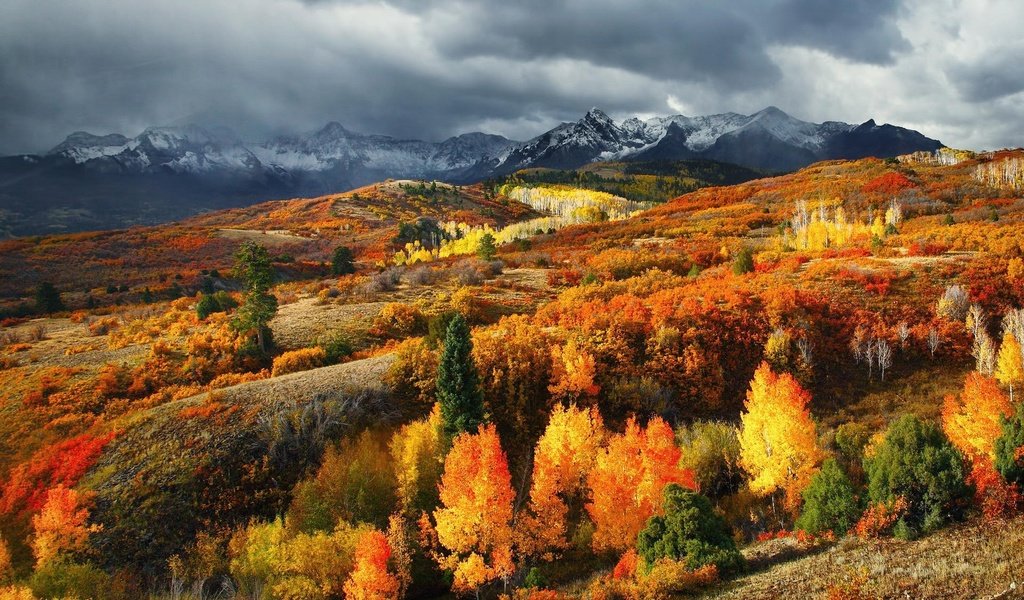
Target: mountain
769, 140
167, 173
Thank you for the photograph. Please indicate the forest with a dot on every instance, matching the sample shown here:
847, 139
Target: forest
544, 388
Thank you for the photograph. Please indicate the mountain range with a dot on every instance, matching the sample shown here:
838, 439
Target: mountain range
165, 173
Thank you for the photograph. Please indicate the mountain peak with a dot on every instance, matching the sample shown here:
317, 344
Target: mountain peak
595, 114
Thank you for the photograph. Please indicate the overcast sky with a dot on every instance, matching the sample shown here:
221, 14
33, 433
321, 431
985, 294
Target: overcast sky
953, 69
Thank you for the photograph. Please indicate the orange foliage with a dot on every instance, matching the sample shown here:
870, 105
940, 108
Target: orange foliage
565, 455
61, 525
890, 183
475, 521
63, 463
302, 359
572, 372
972, 420
627, 480
626, 567
879, 518
370, 579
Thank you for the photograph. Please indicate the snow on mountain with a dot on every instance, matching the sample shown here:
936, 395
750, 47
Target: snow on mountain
769, 139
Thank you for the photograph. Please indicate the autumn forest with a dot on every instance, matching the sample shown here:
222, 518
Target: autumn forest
643, 381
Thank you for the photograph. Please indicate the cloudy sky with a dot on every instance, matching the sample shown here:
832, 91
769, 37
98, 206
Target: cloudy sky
953, 69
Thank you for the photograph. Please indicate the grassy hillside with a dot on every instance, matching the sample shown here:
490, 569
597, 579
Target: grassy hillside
636, 342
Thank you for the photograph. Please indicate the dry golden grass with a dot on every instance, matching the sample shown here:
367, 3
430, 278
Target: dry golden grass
974, 560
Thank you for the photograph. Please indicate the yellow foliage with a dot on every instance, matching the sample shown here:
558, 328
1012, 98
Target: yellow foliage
417, 452
778, 439
302, 359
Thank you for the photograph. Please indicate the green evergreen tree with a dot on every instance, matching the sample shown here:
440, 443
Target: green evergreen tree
48, 298
830, 503
486, 249
744, 262
917, 461
343, 261
1009, 462
689, 530
254, 268
458, 385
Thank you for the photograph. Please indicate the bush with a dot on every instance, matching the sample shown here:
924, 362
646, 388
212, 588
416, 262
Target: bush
690, 530
1009, 458
214, 303
343, 261
336, 347
398, 320
916, 461
303, 359
744, 262
48, 299
712, 451
64, 579
829, 502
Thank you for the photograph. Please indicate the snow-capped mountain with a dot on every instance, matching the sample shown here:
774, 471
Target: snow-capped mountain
164, 173
769, 140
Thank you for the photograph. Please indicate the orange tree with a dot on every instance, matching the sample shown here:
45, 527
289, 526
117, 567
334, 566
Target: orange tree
474, 522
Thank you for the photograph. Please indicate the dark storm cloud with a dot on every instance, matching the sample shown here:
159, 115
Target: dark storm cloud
430, 69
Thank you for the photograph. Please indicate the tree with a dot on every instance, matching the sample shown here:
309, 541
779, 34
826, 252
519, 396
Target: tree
1009, 447
688, 530
343, 261
627, 480
485, 248
711, 449
972, 421
474, 522
830, 503
565, 455
883, 352
515, 365
778, 438
458, 387
416, 452
572, 372
48, 299
744, 261
370, 579
917, 463
254, 268
1010, 364
61, 528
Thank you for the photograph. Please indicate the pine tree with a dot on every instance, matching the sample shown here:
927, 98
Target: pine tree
343, 261
458, 385
254, 268
48, 299
486, 249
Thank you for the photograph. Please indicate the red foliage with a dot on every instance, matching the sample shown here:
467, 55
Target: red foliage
890, 183
626, 567
62, 463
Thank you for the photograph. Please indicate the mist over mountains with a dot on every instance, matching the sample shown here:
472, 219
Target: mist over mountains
165, 173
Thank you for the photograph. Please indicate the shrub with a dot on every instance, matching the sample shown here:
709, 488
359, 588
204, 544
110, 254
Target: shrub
213, 303
398, 320
303, 359
1008, 448
690, 530
336, 347
744, 261
829, 502
343, 261
712, 451
65, 579
917, 462
48, 299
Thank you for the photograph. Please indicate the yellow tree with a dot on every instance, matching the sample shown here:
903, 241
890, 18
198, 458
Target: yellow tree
564, 458
572, 373
475, 521
972, 420
627, 480
778, 438
1010, 364
370, 579
417, 454
62, 525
